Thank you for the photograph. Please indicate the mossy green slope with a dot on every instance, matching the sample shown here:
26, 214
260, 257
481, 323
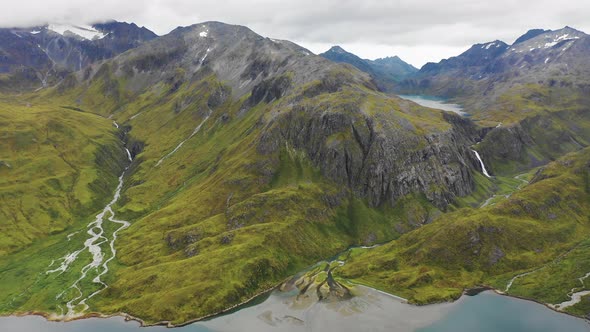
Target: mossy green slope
488, 246
231, 190
219, 219
57, 166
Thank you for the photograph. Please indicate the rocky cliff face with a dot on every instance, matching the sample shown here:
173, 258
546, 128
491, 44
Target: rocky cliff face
382, 156
536, 140
378, 146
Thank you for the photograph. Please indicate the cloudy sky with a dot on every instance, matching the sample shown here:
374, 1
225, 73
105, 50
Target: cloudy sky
418, 31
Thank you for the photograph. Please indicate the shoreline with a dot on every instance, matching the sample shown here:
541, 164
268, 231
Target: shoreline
52, 317
546, 305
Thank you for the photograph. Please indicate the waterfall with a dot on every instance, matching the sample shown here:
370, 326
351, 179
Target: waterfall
129, 155
483, 167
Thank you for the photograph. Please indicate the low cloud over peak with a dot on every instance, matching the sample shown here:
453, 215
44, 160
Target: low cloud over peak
417, 31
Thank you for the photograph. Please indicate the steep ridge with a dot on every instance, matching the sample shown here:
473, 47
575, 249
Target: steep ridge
386, 72
56, 166
49, 52
253, 159
535, 234
274, 151
489, 70
532, 95
358, 127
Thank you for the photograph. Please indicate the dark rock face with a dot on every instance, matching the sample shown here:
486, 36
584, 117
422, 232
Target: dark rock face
227, 238
478, 55
496, 255
508, 143
177, 240
536, 140
19, 50
269, 90
529, 35
219, 96
375, 157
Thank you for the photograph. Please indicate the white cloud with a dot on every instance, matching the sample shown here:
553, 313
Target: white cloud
416, 30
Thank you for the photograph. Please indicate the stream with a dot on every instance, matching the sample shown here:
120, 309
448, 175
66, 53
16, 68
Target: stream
195, 131
97, 238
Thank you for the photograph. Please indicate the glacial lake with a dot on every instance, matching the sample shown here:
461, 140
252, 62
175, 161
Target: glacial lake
370, 311
435, 102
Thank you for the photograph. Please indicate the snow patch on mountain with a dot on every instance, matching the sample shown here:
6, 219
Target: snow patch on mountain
84, 31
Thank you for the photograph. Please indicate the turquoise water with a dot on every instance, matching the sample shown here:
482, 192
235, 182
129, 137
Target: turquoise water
370, 311
489, 312
434, 102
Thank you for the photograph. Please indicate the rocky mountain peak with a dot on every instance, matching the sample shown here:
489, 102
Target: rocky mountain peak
64, 47
545, 47
337, 49
532, 33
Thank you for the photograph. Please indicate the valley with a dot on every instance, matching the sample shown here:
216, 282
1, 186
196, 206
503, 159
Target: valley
175, 178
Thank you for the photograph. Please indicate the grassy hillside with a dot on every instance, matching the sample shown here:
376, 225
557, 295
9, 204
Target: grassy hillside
488, 246
243, 177
215, 220
57, 166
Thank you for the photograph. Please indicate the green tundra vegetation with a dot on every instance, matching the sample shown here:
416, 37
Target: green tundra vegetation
229, 193
543, 226
214, 223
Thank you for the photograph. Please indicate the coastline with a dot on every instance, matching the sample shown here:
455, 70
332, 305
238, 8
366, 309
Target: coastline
52, 317
127, 317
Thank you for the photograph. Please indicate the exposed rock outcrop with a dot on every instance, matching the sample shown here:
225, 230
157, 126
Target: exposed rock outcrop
381, 157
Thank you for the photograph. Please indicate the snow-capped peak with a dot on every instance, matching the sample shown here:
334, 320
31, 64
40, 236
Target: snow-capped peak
84, 31
495, 44
558, 39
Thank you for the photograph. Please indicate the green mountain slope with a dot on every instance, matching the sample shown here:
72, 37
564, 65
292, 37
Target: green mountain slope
57, 164
536, 227
251, 159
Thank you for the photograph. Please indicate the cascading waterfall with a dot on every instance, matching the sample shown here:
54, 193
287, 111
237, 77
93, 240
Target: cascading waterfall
483, 167
128, 154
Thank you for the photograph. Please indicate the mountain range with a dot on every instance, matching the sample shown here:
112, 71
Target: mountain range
174, 177
385, 71
42, 55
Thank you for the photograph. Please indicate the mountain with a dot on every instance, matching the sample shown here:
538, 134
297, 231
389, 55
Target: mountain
386, 72
530, 34
47, 52
491, 69
200, 169
393, 67
532, 95
542, 229
251, 159
338, 54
